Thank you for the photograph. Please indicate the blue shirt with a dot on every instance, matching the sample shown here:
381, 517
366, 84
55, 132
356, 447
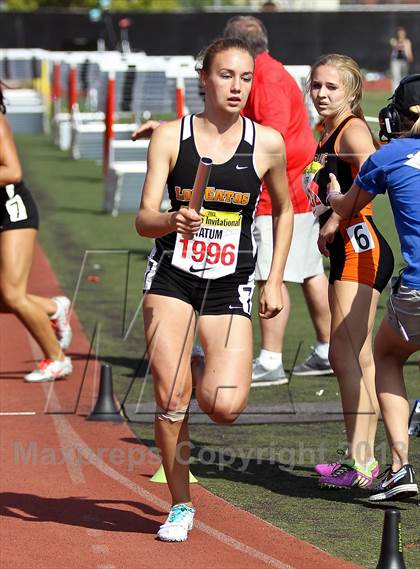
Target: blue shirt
396, 168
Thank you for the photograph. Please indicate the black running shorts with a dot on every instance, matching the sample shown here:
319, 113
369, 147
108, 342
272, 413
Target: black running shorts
231, 294
359, 253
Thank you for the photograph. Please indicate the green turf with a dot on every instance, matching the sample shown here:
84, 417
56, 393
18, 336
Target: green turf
373, 101
268, 470
70, 195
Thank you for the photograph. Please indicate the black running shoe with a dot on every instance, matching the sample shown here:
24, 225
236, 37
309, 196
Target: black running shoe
395, 485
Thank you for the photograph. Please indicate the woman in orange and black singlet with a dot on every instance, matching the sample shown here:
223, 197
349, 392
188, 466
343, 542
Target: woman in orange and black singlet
361, 262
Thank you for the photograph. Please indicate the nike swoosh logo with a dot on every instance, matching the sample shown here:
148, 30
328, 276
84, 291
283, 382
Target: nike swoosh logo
233, 307
194, 270
394, 478
240, 167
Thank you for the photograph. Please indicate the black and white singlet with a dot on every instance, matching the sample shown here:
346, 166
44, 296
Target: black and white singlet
224, 244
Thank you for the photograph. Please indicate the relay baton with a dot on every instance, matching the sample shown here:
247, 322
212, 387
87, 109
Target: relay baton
200, 183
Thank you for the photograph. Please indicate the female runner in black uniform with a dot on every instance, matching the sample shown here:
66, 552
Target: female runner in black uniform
18, 230
212, 273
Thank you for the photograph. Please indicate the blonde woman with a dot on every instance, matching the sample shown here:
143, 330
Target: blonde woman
361, 262
395, 169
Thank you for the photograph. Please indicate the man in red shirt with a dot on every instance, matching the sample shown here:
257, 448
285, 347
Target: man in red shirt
276, 101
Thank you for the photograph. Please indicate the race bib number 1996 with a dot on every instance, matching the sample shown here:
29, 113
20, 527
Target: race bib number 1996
213, 252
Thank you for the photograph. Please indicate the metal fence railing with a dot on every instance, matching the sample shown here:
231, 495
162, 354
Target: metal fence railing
301, 5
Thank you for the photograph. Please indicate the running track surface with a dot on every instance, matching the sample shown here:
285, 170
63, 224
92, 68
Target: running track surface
76, 494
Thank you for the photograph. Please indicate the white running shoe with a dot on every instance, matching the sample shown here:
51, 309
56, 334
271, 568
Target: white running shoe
314, 365
49, 370
262, 376
61, 323
397, 485
178, 524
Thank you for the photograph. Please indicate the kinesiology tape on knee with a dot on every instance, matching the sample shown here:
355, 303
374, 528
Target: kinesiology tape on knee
171, 416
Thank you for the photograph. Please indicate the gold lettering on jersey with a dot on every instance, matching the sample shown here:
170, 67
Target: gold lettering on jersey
183, 195
214, 195
209, 194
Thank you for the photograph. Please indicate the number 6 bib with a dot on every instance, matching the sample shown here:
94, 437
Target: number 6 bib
360, 237
213, 252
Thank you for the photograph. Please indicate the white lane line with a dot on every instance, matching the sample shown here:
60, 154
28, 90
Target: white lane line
15, 413
38, 355
66, 441
74, 467
100, 549
73, 463
72, 438
94, 532
96, 461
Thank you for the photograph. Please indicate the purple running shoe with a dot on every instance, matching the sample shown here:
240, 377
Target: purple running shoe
347, 476
328, 469
325, 469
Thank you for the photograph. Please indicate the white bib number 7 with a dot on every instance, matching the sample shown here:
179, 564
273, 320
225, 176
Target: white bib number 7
15, 206
360, 237
16, 209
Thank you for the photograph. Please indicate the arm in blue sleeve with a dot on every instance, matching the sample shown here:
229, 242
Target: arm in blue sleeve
372, 177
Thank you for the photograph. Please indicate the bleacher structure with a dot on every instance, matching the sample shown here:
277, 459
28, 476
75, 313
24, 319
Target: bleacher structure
125, 176
128, 151
123, 183
87, 138
76, 86
25, 110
